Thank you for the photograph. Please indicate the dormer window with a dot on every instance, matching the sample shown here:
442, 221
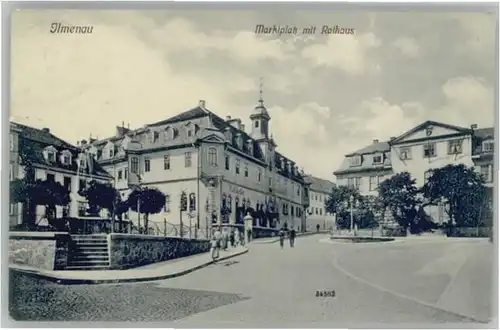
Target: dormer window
377, 159
156, 137
355, 160
282, 163
50, 154
191, 129
111, 153
455, 147
239, 140
488, 146
250, 147
169, 133
66, 157
228, 135
82, 163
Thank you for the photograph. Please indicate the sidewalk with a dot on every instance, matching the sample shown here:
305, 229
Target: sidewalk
157, 271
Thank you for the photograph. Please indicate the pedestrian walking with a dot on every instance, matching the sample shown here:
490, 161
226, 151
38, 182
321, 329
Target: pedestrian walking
317, 227
281, 234
291, 236
216, 242
241, 237
232, 238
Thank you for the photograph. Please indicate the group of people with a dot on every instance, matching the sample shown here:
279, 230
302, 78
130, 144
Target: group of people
222, 240
291, 237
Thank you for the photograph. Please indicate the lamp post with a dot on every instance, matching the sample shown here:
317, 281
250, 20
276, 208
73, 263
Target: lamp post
351, 200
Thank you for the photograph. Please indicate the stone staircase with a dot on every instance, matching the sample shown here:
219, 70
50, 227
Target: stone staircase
88, 252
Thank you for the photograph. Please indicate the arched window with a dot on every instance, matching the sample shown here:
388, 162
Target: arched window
212, 156
192, 202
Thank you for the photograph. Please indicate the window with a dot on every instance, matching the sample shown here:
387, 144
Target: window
270, 181
187, 159
190, 133
51, 177
256, 124
82, 185
405, 153
237, 166
292, 211
156, 136
11, 208
320, 198
67, 183
246, 170
320, 211
316, 211
259, 175
212, 157
192, 202
316, 197
355, 160
166, 162
147, 165
82, 163
488, 146
354, 182
430, 150
455, 147
11, 142
374, 182
120, 173
226, 161
377, 159
66, 160
125, 174
110, 153
486, 173
82, 209
298, 190
51, 156
166, 207
427, 175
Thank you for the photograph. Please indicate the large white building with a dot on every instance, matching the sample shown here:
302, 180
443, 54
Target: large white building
225, 170
52, 159
428, 146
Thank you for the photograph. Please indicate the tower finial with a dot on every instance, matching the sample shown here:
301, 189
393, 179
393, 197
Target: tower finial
261, 85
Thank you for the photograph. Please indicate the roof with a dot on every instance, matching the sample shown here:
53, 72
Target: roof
32, 142
42, 135
373, 148
318, 184
194, 113
433, 123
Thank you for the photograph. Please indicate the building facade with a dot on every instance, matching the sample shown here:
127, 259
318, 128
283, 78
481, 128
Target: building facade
52, 159
428, 146
225, 171
319, 192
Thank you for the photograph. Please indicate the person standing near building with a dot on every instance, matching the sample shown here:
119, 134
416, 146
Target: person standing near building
281, 234
232, 238
225, 239
216, 242
291, 236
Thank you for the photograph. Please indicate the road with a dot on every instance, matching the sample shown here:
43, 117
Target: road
424, 282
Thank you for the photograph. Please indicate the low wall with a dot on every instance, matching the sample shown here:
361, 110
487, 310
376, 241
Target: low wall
44, 250
131, 250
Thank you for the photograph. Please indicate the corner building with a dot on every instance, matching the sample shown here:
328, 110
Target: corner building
225, 172
430, 145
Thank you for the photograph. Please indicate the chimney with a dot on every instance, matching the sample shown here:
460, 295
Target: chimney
46, 130
83, 142
375, 141
242, 127
473, 126
128, 126
202, 104
228, 118
392, 138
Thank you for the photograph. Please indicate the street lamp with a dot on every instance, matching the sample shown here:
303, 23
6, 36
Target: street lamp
351, 200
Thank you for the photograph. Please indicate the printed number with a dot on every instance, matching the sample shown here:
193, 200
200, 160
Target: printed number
330, 293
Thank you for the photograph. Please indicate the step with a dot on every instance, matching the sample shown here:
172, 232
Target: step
89, 257
86, 236
88, 263
89, 252
90, 244
86, 241
89, 268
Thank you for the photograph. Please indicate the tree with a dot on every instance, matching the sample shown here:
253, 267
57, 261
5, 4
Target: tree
462, 191
104, 195
338, 203
41, 192
398, 194
149, 200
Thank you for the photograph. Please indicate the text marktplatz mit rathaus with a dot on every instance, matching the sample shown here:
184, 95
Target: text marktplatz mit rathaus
291, 29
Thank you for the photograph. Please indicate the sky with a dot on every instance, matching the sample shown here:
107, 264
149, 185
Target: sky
327, 95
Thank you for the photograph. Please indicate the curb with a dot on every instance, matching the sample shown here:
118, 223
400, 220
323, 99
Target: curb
277, 239
68, 281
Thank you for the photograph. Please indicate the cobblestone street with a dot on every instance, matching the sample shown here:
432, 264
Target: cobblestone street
398, 282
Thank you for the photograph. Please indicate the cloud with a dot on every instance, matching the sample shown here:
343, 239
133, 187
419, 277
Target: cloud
407, 46
348, 53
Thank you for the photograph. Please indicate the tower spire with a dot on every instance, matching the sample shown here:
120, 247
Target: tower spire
261, 87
